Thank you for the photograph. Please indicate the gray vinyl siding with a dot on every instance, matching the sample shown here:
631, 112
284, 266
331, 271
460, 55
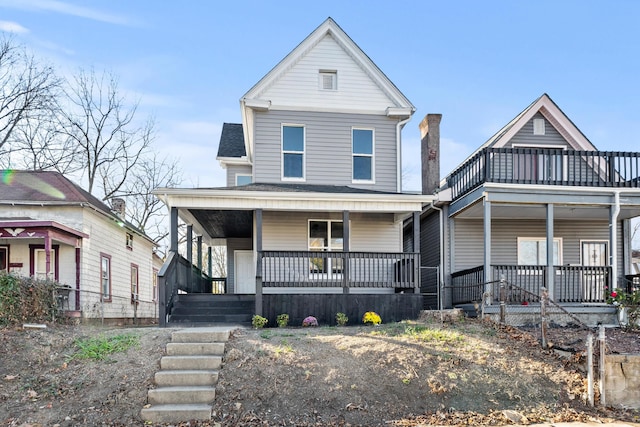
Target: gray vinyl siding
288, 231
233, 170
232, 246
526, 137
469, 239
328, 153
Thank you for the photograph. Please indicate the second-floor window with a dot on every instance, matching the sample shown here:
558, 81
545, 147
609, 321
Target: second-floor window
105, 277
129, 241
362, 151
293, 152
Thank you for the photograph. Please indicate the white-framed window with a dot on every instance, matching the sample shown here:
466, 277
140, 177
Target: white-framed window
328, 80
362, 149
154, 285
538, 127
325, 236
293, 162
129, 240
105, 276
243, 179
135, 290
533, 251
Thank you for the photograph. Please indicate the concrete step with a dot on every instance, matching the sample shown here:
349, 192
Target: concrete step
172, 413
195, 349
210, 318
186, 378
200, 335
181, 395
174, 363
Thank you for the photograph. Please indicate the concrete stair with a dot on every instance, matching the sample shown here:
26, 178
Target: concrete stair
187, 377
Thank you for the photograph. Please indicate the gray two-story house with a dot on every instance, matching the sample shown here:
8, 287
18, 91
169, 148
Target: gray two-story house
312, 212
537, 205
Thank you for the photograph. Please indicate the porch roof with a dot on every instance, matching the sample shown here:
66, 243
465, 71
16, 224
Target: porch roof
29, 229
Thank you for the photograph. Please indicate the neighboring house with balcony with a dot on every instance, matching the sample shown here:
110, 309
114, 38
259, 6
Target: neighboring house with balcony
312, 211
52, 228
536, 205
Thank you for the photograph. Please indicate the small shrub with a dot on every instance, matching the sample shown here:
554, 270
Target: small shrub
259, 322
26, 299
371, 318
282, 320
341, 319
310, 321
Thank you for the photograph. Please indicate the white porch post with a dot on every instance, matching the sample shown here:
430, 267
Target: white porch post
488, 274
550, 268
258, 239
345, 249
190, 256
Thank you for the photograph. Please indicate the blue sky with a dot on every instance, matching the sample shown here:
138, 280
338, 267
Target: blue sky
479, 63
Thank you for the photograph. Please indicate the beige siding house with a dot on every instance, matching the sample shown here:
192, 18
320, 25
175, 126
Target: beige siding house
313, 209
52, 228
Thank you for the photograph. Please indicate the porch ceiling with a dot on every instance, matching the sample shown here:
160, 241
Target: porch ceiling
539, 211
220, 224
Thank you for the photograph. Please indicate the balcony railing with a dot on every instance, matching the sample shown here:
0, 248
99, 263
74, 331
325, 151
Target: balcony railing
340, 269
572, 284
546, 167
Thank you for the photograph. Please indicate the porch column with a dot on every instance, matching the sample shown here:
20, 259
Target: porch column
488, 274
77, 293
174, 230
258, 218
416, 249
345, 248
199, 252
209, 260
190, 256
551, 275
47, 255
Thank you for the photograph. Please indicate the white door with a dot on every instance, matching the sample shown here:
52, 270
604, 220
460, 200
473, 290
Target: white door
40, 270
245, 272
594, 254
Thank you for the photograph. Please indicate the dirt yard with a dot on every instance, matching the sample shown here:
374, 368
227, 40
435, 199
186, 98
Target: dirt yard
397, 374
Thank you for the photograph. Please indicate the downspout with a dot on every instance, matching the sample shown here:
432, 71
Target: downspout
613, 251
441, 266
399, 126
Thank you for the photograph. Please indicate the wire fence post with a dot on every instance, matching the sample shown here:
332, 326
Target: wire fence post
601, 339
544, 302
590, 368
503, 305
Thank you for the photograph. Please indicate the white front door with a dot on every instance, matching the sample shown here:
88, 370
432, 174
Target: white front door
245, 272
594, 254
40, 270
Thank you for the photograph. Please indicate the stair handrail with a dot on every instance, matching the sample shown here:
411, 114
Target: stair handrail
167, 287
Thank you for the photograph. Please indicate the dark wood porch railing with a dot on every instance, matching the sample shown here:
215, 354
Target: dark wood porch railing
340, 269
547, 167
572, 284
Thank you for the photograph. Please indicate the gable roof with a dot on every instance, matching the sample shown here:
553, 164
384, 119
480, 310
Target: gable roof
53, 189
552, 113
231, 141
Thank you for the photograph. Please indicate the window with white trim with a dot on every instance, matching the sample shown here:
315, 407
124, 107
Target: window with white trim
242, 179
325, 236
328, 80
293, 152
362, 152
105, 276
538, 127
129, 241
135, 290
533, 251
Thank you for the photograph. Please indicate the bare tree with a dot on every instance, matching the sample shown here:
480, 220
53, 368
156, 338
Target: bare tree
144, 210
103, 127
27, 90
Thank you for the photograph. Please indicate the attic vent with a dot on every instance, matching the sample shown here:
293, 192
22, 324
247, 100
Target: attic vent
328, 80
538, 126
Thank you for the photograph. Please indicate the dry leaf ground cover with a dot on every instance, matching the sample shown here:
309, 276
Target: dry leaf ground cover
407, 374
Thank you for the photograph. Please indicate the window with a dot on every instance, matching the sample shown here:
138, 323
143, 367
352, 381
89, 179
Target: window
325, 236
135, 295
154, 285
293, 152
533, 251
4, 258
538, 126
328, 80
105, 276
362, 149
129, 240
243, 179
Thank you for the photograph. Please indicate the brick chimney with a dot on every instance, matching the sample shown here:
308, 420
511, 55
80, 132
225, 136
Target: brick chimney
430, 148
118, 206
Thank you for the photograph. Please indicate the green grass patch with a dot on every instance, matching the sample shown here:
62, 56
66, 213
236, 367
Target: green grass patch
423, 333
98, 348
